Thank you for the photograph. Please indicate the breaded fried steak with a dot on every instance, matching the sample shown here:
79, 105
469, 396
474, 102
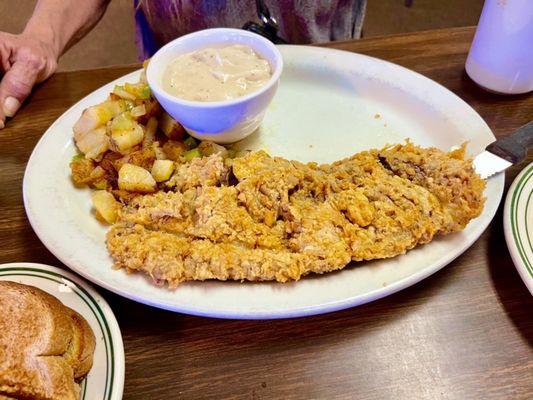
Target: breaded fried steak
265, 218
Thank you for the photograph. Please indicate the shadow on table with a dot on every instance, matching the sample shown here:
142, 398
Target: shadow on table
516, 300
184, 353
502, 113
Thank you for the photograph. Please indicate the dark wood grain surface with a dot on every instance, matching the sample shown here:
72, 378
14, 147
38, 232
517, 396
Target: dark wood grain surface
464, 333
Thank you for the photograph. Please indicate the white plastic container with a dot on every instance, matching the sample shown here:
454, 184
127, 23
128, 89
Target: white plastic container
501, 55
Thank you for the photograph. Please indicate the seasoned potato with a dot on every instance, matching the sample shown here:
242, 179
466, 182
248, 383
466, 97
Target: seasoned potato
93, 143
122, 93
106, 205
135, 179
149, 134
170, 127
139, 90
126, 139
96, 116
158, 151
162, 170
125, 132
138, 111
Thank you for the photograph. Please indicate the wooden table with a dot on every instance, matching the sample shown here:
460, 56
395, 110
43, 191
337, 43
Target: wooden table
464, 333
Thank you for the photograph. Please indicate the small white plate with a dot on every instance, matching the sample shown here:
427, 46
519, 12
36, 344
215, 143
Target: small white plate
105, 380
518, 224
330, 104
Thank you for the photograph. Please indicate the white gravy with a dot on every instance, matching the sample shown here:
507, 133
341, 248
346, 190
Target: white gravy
216, 74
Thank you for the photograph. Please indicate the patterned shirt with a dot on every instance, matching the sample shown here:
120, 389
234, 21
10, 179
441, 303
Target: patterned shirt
300, 21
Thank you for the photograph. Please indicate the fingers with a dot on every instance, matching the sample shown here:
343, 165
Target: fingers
5, 53
16, 85
11, 106
25, 61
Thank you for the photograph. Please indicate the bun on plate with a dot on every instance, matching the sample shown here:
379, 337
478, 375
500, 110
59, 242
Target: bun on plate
45, 347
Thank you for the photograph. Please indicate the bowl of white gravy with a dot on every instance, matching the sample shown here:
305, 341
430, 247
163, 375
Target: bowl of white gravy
217, 82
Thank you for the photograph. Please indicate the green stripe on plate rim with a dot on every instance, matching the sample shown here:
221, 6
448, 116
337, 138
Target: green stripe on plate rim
93, 306
514, 219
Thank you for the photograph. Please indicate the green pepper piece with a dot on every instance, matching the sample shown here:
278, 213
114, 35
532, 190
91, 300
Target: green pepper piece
189, 155
78, 157
145, 93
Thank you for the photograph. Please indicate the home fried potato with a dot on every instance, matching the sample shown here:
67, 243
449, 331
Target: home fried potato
129, 127
136, 179
162, 170
105, 205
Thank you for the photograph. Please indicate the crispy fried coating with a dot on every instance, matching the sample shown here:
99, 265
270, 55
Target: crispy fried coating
267, 218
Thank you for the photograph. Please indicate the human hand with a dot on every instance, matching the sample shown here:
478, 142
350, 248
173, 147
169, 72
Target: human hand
24, 62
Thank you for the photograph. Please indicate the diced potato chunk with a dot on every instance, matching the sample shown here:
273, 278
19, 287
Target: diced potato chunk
149, 134
89, 121
106, 205
112, 108
122, 121
122, 93
126, 139
139, 90
171, 128
93, 143
125, 132
135, 179
138, 111
162, 170
96, 116
158, 151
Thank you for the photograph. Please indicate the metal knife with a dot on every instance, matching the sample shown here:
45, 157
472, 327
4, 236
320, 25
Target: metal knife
501, 154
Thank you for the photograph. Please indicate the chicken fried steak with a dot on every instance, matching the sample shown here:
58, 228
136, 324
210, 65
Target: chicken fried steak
265, 218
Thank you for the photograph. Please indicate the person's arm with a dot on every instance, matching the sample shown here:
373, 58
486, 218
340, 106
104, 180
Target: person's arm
31, 57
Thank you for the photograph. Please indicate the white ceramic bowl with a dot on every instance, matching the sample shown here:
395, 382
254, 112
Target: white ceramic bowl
220, 121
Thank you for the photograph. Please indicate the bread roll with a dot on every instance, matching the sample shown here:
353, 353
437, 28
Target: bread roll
44, 345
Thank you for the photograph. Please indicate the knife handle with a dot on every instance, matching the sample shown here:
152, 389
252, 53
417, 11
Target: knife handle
514, 147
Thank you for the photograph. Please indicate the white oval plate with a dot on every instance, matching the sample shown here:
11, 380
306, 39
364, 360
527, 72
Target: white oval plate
106, 378
330, 104
518, 224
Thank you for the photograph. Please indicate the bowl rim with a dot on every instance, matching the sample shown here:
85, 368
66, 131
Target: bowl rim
159, 91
